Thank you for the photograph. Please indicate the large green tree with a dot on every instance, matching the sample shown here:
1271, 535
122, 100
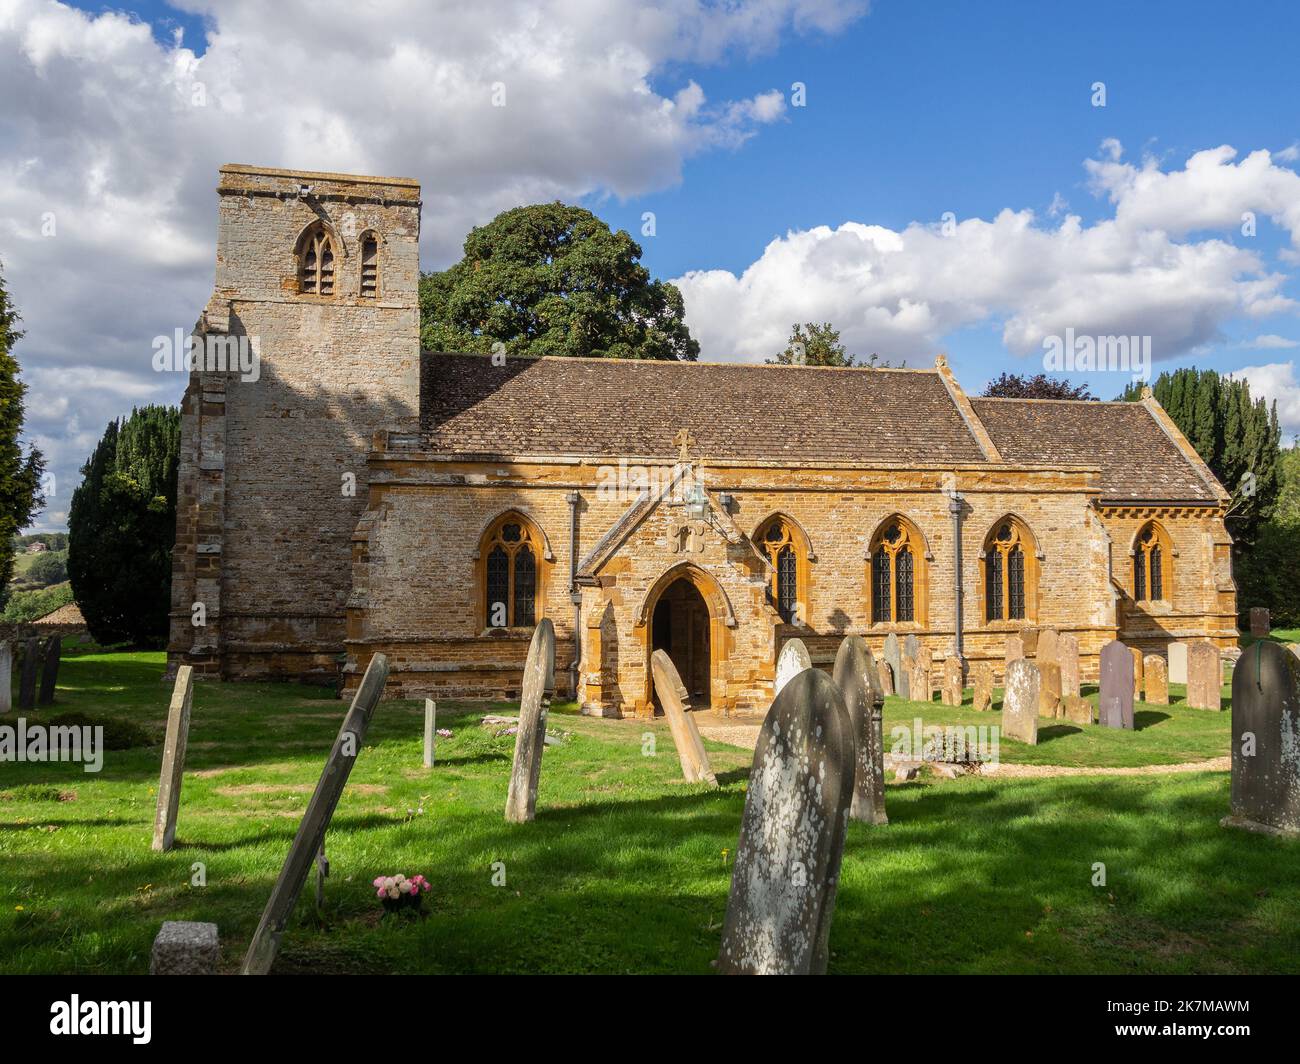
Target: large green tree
20, 473
552, 279
811, 344
122, 525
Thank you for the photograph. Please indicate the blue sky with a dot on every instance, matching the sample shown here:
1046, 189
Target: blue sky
1115, 219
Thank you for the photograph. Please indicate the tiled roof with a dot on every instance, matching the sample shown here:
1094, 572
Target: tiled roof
1138, 459
65, 616
598, 407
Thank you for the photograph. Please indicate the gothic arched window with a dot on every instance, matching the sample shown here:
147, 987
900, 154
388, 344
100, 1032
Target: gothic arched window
1152, 564
369, 266
511, 553
316, 261
897, 574
1010, 572
785, 546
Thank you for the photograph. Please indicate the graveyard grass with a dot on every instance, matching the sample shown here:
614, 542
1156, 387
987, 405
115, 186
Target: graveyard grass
626, 868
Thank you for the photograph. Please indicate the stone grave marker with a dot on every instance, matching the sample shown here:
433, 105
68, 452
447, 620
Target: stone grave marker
1049, 646
920, 684
1136, 654
983, 696
173, 760
787, 865
1156, 680
1020, 702
1265, 792
1029, 639
50, 670
1067, 653
1015, 649
530, 739
686, 735
1115, 703
954, 681
6, 677
894, 659
859, 683
793, 659
1260, 624
430, 731
912, 647
1076, 709
904, 685
886, 673
1049, 688
185, 947
1204, 683
27, 677
310, 838
1177, 662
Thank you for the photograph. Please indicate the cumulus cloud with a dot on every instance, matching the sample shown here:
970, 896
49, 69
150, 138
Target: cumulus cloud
1271, 341
1276, 382
1134, 273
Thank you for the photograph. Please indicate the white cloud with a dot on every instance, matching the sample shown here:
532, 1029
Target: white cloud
899, 293
1271, 341
1276, 382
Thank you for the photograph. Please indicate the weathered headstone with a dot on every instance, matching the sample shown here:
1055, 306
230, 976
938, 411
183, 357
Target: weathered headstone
6, 677
1029, 639
173, 759
906, 671
982, 699
859, 683
893, 657
185, 947
1136, 655
793, 659
911, 646
310, 838
1177, 662
50, 670
1049, 688
686, 736
1115, 703
787, 866
953, 691
430, 731
1049, 646
1155, 680
27, 677
1259, 622
530, 739
922, 691
1076, 709
1266, 741
1015, 649
1020, 702
1204, 685
1067, 653
886, 673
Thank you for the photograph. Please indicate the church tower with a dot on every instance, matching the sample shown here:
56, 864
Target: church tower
309, 345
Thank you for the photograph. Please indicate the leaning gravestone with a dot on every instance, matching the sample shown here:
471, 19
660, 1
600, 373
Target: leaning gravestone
310, 839
1155, 680
1259, 622
886, 673
1015, 649
1115, 703
982, 698
792, 660
1266, 741
1049, 689
686, 736
1067, 653
173, 760
6, 677
1137, 673
1177, 662
859, 683
791, 835
1049, 646
534, 705
50, 670
27, 678
1204, 685
1020, 702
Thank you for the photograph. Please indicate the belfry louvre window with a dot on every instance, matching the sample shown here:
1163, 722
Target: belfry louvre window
316, 262
511, 589
369, 267
1151, 559
776, 538
1007, 589
896, 577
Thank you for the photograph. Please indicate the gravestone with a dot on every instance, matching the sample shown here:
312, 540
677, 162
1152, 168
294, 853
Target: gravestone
920, 683
534, 705
1204, 685
1136, 655
310, 838
185, 947
27, 677
6, 677
886, 673
1177, 662
983, 696
954, 681
1020, 702
859, 683
906, 670
787, 866
50, 670
1067, 654
1076, 709
430, 731
1266, 741
686, 736
1259, 622
894, 659
173, 760
1115, 703
1015, 649
792, 660
1155, 680
1049, 646
1049, 688
1029, 640
911, 647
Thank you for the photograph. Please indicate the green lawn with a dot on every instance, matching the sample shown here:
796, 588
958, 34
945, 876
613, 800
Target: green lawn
625, 869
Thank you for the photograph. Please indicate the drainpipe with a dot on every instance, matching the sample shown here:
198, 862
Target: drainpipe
954, 508
575, 596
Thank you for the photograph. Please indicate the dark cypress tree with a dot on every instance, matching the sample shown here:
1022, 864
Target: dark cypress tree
20, 474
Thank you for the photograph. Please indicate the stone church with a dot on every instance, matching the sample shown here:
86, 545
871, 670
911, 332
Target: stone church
362, 495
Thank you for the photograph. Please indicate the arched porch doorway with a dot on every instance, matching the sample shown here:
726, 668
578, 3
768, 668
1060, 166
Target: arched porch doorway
681, 626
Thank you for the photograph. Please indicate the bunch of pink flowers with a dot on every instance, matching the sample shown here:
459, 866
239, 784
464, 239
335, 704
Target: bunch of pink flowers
396, 886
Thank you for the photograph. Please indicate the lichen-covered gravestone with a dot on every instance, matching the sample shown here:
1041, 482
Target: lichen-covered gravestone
1177, 662
886, 673
905, 672
50, 670
894, 659
534, 705
1204, 686
1266, 741
792, 660
954, 681
686, 736
1020, 702
1015, 649
1049, 646
1029, 639
1067, 653
6, 676
787, 865
1155, 680
173, 760
920, 681
1049, 688
1115, 703
27, 677
982, 698
912, 647
1136, 655
1076, 709
859, 683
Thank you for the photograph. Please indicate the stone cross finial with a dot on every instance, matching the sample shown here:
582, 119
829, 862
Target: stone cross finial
685, 440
